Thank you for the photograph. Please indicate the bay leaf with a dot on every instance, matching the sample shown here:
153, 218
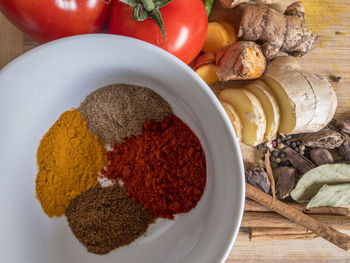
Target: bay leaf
312, 181
331, 195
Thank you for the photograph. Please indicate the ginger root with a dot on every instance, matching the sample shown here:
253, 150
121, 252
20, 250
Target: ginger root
234, 3
277, 32
240, 61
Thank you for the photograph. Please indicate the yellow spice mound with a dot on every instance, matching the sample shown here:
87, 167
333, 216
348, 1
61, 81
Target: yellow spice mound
69, 158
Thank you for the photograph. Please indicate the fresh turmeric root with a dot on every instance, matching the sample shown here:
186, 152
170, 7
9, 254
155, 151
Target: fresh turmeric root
277, 32
240, 61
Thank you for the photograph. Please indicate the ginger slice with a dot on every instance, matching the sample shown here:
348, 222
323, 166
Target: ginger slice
234, 118
250, 112
270, 106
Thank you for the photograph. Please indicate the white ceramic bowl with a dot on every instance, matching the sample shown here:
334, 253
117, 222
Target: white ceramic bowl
39, 86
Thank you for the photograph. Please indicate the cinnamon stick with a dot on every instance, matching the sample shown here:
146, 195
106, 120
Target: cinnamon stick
305, 236
252, 206
270, 173
262, 219
263, 231
321, 229
327, 210
280, 233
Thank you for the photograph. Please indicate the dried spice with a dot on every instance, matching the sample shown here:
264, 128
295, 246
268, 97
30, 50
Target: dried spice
119, 111
311, 182
344, 149
270, 174
69, 157
103, 219
164, 168
286, 181
258, 177
328, 139
321, 156
344, 125
298, 161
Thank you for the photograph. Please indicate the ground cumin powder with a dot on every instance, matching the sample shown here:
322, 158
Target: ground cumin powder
69, 158
103, 219
119, 111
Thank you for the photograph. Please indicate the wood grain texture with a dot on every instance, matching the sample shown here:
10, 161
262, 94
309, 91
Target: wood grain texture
332, 57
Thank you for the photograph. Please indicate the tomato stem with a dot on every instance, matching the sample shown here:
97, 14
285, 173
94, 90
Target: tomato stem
144, 9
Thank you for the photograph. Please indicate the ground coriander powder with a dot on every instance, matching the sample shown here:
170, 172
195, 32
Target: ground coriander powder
119, 111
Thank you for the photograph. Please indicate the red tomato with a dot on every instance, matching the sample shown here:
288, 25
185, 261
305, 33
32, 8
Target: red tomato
185, 23
46, 20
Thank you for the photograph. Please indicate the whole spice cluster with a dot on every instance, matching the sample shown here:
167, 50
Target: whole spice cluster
292, 156
157, 166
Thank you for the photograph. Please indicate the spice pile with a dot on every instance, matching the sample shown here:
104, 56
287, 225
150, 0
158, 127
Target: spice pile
293, 156
156, 165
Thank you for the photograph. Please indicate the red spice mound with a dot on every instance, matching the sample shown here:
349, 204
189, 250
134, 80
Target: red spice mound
164, 168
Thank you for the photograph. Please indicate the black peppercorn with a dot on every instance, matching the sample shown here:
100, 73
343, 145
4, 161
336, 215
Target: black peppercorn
259, 147
287, 142
272, 159
274, 144
282, 155
294, 144
278, 140
275, 153
299, 143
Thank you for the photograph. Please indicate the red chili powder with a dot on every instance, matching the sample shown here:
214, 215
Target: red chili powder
164, 168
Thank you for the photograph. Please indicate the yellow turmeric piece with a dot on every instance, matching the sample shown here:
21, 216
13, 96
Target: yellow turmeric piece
69, 159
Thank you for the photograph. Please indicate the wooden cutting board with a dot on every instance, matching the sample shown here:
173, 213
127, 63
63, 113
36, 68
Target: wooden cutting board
331, 20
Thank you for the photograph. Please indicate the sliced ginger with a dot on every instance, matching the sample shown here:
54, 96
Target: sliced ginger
270, 106
208, 73
234, 118
218, 35
250, 113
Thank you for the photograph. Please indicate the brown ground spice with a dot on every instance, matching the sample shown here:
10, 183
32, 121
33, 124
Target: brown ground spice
119, 111
103, 219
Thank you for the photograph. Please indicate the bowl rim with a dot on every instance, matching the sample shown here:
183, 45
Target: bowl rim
224, 253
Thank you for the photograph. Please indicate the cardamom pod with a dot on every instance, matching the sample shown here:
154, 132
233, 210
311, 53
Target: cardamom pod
258, 178
328, 139
344, 149
286, 181
344, 125
298, 161
321, 156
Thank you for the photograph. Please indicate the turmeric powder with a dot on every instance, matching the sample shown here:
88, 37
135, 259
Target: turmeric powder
69, 158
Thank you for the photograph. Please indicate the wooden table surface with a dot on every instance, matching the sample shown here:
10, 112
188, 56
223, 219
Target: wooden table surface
331, 20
